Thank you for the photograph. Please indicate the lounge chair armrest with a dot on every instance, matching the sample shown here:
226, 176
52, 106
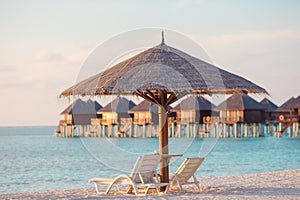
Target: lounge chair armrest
123, 177
101, 180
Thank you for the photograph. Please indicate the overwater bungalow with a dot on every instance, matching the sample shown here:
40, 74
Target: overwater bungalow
191, 114
77, 117
285, 109
295, 118
116, 121
145, 119
241, 115
270, 107
296, 107
288, 117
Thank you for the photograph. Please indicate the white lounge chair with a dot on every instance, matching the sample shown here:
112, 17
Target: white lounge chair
143, 176
185, 172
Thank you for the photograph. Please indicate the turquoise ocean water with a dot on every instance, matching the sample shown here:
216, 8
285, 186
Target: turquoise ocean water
32, 159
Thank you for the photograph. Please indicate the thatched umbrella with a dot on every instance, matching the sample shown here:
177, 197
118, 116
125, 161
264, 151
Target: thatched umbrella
162, 75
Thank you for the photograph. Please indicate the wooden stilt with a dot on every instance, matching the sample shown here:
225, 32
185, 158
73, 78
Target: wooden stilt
296, 130
100, 130
224, 130
144, 131
280, 126
242, 129
136, 131
246, 130
217, 132
228, 131
197, 130
260, 134
254, 130
103, 130
173, 130
188, 130
62, 131
235, 130
207, 130
194, 131
110, 131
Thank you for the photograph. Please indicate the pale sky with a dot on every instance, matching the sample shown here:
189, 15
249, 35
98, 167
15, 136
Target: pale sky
44, 43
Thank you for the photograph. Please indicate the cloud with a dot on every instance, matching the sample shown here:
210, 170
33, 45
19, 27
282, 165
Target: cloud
253, 36
36, 82
7, 76
44, 69
182, 3
7, 68
46, 56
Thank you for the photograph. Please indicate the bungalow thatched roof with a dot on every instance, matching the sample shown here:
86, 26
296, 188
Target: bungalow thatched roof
146, 106
296, 103
163, 68
286, 106
269, 105
240, 102
80, 107
119, 105
194, 103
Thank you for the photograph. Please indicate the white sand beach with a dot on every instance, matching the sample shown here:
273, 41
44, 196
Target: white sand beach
270, 185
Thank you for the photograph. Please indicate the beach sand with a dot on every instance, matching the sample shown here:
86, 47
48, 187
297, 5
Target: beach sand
270, 185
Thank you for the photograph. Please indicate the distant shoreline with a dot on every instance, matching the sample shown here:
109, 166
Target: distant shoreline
28, 126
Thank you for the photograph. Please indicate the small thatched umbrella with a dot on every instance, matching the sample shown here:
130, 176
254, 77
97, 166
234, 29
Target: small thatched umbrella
162, 75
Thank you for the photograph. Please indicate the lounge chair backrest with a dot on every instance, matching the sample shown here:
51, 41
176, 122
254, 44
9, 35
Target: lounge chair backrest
188, 168
144, 168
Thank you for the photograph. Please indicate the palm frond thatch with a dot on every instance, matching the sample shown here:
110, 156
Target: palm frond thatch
146, 106
163, 68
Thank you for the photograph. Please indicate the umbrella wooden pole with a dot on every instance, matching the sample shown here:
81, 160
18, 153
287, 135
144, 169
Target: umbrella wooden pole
163, 143
163, 137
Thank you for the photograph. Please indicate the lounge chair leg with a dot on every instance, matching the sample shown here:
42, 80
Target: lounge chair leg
179, 185
109, 188
129, 190
118, 188
197, 183
147, 189
167, 189
157, 189
97, 188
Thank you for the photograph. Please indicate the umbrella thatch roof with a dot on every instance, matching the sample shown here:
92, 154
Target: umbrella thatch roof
240, 102
194, 103
118, 105
146, 106
163, 68
286, 106
269, 105
80, 107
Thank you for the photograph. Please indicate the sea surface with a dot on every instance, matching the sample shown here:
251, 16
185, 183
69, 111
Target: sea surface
32, 159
